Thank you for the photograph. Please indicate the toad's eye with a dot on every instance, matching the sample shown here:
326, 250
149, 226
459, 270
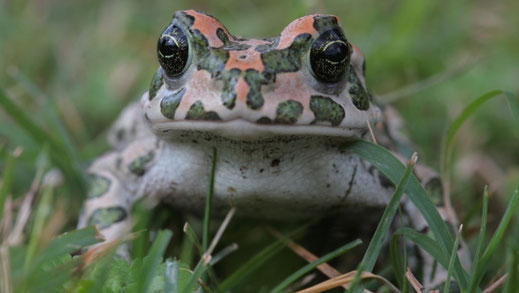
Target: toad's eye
330, 56
173, 51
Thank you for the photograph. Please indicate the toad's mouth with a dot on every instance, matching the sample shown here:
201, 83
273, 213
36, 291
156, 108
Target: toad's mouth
246, 130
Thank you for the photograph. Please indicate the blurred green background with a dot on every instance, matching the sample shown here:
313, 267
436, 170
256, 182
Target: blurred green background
73, 65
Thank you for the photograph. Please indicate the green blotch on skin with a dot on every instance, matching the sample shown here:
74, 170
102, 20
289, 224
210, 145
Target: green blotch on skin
288, 112
197, 112
325, 109
273, 42
210, 59
97, 185
323, 23
229, 79
289, 59
358, 94
169, 104
255, 80
105, 217
138, 165
155, 85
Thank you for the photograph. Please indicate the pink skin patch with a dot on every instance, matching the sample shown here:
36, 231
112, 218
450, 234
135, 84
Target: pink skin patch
208, 27
246, 59
242, 89
299, 26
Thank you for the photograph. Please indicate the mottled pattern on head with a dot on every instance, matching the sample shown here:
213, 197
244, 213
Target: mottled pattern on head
261, 81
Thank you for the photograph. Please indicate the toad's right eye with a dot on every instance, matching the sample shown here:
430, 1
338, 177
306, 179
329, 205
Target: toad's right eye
173, 51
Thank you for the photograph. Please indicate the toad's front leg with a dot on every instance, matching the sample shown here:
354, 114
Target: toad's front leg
115, 184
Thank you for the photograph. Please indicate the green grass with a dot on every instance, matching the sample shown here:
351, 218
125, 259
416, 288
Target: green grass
68, 68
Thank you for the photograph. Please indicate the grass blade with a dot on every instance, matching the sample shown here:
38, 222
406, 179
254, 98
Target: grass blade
152, 260
67, 243
426, 243
208, 200
254, 263
191, 237
512, 282
223, 253
481, 239
458, 122
497, 237
371, 255
249, 267
393, 169
59, 154
42, 212
309, 267
451, 261
7, 178
396, 263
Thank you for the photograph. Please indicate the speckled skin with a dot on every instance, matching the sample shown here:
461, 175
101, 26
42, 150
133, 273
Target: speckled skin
277, 126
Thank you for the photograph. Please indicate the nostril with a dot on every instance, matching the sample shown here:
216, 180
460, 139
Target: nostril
243, 56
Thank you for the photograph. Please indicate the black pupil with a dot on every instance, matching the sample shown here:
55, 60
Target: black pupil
168, 46
173, 50
336, 52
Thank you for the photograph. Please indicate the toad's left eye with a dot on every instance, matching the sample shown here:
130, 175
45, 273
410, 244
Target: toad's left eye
330, 56
173, 51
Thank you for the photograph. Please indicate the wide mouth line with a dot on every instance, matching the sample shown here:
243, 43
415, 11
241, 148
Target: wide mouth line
250, 130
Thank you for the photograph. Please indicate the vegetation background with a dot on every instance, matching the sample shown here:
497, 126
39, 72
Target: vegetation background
73, 65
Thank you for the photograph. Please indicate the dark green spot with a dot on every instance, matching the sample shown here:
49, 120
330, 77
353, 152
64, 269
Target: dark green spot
288, 112
105, 217
120, 134
323, 23
255, 80
289, 59
169, 104
97, 185
264, 120
273, 42
210, 59
358, 94
197, 112
325, 109
155, 85
185, 18
138, 165
229, 79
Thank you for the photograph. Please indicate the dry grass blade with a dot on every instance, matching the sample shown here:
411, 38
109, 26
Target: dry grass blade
7, 218
5, 277
325, 268
417, 286
496, 284
346, 280
220, 231
54, 224
16, 236
373, 138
